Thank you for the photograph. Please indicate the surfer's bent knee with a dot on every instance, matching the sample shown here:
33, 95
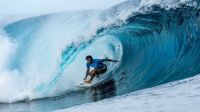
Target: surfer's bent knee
93, 72
98, 71
101, 70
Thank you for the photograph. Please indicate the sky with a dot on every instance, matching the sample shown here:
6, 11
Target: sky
20, 7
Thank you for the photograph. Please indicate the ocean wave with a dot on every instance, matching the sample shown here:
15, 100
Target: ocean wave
155, 42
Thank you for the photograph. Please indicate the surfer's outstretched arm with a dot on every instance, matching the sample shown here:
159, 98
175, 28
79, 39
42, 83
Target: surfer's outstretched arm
110, 60
87, 73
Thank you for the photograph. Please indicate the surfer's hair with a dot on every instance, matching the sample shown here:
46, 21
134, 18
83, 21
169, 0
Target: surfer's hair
88, 57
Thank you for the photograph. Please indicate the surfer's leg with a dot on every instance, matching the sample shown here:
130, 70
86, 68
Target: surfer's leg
92, 74
101, 70
91, 78
96, 72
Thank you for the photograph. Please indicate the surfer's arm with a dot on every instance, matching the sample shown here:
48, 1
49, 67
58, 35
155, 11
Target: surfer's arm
110, 60
87, 73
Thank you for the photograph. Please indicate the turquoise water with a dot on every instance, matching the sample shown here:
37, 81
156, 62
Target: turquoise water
154, 47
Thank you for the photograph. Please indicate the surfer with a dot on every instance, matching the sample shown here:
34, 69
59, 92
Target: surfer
98, 65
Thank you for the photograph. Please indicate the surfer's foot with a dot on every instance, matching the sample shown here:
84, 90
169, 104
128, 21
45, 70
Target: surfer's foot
88, 81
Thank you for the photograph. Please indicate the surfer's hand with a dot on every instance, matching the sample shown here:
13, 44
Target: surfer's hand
84, 79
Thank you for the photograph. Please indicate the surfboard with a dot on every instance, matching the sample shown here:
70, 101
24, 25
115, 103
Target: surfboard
83, 85
96, 81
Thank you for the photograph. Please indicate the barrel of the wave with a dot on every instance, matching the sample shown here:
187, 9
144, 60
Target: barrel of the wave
159, 46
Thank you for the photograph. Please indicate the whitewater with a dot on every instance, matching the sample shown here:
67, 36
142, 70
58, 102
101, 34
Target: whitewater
42, 58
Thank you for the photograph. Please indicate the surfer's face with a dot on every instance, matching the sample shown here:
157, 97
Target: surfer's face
89, 60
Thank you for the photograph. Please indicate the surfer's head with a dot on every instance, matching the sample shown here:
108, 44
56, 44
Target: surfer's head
89, 59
